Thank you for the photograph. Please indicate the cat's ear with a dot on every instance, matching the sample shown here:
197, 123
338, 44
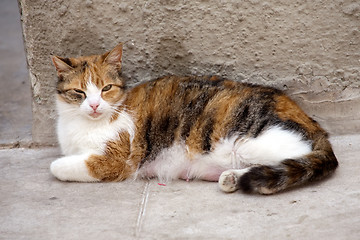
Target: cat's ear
61, 64
114, 56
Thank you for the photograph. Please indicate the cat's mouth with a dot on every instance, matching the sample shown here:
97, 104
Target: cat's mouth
95, 114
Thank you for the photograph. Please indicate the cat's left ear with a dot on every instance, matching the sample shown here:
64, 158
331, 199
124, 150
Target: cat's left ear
114, 56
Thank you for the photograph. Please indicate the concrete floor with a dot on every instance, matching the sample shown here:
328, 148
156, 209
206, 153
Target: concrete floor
34, 205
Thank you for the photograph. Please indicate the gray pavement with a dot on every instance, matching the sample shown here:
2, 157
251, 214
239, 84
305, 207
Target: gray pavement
34, 205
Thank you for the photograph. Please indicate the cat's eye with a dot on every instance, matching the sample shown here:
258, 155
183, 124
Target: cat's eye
75, 94
79, 91
107, 88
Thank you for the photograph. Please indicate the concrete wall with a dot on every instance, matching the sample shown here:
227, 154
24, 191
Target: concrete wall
311, 49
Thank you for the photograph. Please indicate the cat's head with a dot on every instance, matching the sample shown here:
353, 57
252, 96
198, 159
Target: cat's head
90, 86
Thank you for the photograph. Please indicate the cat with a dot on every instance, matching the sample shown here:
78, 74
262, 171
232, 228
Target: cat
247, 137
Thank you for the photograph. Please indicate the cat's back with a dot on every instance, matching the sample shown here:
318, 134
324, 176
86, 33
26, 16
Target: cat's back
181, 92
193, 107
214, 106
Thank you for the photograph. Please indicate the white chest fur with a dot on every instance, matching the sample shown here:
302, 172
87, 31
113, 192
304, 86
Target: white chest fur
77, 134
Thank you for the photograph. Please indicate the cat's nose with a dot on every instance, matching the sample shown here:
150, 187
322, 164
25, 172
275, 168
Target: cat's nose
94, 106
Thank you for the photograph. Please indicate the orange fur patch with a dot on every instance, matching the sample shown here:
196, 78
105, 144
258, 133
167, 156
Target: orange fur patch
112, 165
287, 109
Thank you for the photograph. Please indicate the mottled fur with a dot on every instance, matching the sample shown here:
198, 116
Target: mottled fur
253, 138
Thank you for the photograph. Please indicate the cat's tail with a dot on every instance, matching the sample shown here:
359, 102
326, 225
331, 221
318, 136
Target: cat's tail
266, 179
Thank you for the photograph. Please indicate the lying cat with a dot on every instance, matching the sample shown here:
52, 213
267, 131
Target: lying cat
245, 136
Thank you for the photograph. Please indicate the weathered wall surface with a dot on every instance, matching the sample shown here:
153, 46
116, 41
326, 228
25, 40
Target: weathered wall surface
311, 49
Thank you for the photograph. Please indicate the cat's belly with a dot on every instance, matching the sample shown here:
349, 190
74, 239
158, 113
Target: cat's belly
174, 163
152, 170
210, 174
269, 148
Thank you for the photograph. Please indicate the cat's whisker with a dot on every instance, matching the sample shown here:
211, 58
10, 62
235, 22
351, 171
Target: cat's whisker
120, 111
117, 110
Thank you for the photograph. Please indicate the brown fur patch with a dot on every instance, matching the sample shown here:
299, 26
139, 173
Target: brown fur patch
112, 165
287, 109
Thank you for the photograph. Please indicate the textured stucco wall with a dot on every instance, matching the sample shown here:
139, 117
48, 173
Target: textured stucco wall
311, 49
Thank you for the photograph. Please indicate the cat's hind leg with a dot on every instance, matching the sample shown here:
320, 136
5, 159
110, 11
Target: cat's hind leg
265, 155
243, 179
290, 170
229, 179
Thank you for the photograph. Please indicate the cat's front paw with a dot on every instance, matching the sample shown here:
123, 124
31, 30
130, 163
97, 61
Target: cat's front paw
72, 168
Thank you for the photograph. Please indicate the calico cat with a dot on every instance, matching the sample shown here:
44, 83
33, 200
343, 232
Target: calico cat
244, 136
